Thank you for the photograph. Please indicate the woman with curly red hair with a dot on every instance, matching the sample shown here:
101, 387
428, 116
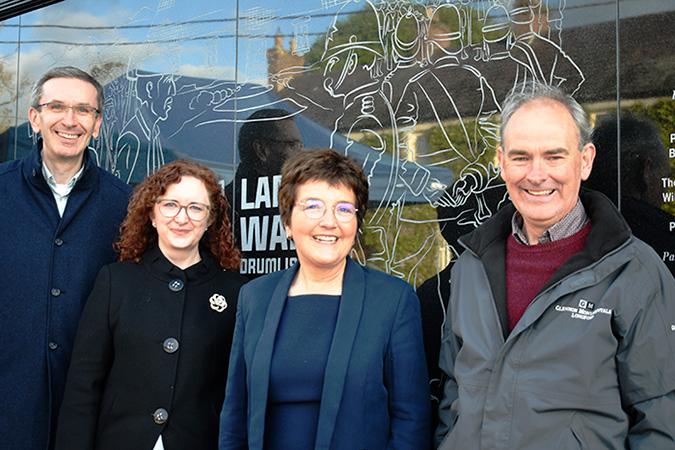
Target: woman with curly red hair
150, 359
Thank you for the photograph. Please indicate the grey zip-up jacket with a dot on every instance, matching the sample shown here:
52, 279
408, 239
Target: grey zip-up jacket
591, 363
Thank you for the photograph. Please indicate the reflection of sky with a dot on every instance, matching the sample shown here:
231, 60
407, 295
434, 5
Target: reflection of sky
147, 33
198, 37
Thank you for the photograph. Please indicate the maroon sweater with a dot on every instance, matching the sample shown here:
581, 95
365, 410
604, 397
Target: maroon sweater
529, 267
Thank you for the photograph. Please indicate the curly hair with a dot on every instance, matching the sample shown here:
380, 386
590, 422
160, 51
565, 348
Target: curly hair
321, 164
137, 233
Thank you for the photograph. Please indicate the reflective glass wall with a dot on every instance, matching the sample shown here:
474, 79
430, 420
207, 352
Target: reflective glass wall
411, 89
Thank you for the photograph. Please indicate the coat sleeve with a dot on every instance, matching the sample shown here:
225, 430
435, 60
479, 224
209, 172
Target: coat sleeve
234, 415
646, 364
89, 368
406, 377
450, 346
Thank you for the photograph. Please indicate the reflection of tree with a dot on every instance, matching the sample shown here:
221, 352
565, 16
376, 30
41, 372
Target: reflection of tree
108, 71
437, 137
9, 94
662, 113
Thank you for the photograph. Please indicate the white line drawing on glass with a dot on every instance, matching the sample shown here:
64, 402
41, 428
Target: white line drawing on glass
389, 85
150, 99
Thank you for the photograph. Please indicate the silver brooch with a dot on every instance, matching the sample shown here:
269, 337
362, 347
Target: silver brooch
218, 303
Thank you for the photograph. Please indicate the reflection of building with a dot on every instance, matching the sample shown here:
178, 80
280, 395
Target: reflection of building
278, 58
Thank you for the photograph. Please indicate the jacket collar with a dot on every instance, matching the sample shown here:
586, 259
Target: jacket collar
32, 169
86, 186
609, 232
349, 314
158, 265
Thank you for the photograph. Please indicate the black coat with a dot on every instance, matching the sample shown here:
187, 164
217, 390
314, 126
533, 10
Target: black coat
151, 357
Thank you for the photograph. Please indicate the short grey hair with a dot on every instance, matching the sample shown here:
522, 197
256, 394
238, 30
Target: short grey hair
533, 91
67, 72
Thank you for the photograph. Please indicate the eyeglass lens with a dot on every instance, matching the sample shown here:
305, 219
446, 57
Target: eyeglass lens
62, 108
171, 208
315, 209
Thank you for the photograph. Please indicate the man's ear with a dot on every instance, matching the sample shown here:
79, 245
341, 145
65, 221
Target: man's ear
587, 158
500, 160
261, 151
97, 126
33, 119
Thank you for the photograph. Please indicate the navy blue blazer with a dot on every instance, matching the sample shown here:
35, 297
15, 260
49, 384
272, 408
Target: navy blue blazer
375, 392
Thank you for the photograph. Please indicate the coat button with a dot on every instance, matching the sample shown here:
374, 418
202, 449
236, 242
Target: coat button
58, 242
171, 345
56, 292
176, 285
53, 345
160, 416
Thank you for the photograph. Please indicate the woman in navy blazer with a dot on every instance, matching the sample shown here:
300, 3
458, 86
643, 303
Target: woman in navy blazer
327, 354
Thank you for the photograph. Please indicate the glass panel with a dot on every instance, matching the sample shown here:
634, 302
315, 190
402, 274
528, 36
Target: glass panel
634, 163
411, 89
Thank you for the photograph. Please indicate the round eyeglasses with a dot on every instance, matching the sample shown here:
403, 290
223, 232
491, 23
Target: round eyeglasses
171, 208
58, 108
315, 209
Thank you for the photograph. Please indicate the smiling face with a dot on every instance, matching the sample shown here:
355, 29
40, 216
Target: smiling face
65, 136
542, 165
322, 244
178, 237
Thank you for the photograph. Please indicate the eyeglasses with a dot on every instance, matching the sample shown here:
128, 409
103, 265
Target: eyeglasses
294, 144
171, 208
315, 209
58, 108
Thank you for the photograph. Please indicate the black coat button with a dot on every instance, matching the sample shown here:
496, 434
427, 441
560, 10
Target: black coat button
53, 345
160, 416
176, 285
58, 242
171, 345
56, 292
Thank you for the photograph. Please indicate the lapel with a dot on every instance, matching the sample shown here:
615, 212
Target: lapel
349, 317
262, 358
82, 191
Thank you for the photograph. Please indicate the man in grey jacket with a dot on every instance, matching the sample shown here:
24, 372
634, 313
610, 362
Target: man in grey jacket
560, 331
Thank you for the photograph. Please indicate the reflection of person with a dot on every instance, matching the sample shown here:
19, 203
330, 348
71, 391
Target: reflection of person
266, 140
644, 166
360, 381
62, 215
559, 324
150, 359
454, 219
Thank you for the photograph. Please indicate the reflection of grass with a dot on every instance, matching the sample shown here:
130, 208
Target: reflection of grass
416, 245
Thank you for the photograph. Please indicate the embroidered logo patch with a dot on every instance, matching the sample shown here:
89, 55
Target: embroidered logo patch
585, 311
218, 303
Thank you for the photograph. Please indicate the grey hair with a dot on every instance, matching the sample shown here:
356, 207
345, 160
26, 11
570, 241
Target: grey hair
67, 72
535, 91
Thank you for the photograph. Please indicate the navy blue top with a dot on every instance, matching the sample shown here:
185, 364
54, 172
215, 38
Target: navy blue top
297, 371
